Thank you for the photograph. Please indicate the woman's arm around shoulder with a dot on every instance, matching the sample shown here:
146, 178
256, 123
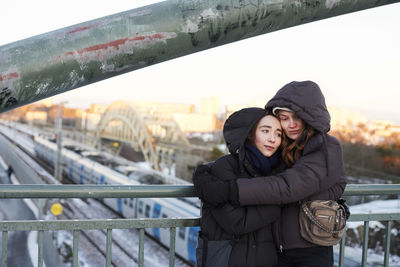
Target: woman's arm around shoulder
314, 172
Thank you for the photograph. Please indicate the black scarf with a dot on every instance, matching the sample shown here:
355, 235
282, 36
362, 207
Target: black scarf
262, 163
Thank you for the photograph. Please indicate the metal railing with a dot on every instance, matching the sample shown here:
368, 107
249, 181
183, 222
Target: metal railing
151, 191
364, 190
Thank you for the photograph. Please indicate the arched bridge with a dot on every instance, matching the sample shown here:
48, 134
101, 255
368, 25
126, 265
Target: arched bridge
156, 135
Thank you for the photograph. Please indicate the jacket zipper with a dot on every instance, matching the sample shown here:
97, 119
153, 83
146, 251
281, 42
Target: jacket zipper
280, 236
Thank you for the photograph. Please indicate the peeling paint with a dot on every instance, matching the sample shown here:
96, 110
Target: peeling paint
84, 28
42, 87
140, 13
9, 76
190, 27
8, 81
7, 90
330, 3
102, 52
193, 25
297, 3
208, 14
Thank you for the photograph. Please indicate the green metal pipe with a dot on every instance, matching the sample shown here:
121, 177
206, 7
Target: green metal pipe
388, 231
141, 248
357, 217
68, 58
371, 189
97, 224
4, 248
109, 247
75, 247
41, 245
341, 249
148, 191
172, 246
95, 191
365, 244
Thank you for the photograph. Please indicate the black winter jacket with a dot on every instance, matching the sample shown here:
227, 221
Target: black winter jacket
249, 227
318, 174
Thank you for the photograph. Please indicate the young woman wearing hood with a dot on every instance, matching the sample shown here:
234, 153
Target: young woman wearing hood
241, 236
315, 172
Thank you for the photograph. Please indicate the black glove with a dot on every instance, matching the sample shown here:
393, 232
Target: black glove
345, 207
212, 190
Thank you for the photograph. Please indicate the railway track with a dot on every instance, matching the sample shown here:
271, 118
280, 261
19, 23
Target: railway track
125, 242
92, 243
97, 239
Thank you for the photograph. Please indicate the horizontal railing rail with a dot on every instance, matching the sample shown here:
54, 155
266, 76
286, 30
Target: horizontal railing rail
157, 191
150, 191
96, 224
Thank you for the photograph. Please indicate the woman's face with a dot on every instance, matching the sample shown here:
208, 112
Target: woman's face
268, 135
292, 125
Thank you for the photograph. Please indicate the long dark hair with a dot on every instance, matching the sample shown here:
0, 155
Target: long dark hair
291, 149
252, 134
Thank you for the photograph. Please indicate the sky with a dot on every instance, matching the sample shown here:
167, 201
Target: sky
355, 58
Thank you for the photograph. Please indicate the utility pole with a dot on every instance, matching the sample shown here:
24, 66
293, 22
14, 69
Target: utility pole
58, 164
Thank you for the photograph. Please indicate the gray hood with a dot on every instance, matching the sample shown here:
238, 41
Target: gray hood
238, 126
306, 100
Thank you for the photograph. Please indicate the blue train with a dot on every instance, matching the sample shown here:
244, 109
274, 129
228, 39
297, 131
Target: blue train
89, 167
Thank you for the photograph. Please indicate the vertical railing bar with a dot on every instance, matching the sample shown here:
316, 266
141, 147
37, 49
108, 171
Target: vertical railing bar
341, 250
75, 249
40, 248
4, 248
387, 244
109, 243
365, 244
172, 238
141, 247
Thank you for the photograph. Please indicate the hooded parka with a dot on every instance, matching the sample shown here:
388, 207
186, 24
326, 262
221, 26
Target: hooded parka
317, 174
248, 228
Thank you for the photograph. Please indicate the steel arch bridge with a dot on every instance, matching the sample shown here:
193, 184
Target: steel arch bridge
156, 135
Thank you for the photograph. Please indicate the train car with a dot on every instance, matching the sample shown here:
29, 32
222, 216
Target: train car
88, 167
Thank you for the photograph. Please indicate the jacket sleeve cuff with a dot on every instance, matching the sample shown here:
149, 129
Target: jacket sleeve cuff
234, 193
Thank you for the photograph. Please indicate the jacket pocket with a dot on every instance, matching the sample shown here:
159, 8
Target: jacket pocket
212, 253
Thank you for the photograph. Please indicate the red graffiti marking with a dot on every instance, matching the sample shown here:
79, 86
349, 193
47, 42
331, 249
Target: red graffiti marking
117, 43
105, 46
79, 29
9, 76
102, 52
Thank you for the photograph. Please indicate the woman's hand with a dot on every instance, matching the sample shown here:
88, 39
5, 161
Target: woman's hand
212, 190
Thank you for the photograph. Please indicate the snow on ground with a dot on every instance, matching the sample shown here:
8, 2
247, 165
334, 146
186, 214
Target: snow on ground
373, 259
377, 206
21, 139
32, 236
